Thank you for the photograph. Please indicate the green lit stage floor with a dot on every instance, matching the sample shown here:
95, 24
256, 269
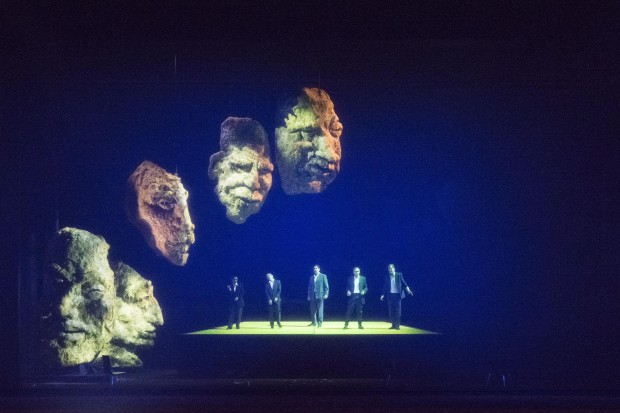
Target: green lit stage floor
302, 328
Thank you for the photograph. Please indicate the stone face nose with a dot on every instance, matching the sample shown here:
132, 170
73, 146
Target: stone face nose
251, 179
156, 315
325, 149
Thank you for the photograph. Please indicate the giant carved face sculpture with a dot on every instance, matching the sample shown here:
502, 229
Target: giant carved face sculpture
308, 143
138, 313
157, 205
81, 291
242, 168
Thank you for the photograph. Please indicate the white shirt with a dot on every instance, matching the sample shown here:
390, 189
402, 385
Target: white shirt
271, 284
356, 285
393, 288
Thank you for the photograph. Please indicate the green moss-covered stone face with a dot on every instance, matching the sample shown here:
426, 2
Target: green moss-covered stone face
80, 288
157, 204
94, 309
242, 168
138, 315
308, 149
138, 312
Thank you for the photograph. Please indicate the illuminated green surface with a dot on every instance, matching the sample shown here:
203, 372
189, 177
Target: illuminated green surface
302, 328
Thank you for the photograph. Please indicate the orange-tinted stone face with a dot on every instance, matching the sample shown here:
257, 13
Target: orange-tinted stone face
308, 149
157, 205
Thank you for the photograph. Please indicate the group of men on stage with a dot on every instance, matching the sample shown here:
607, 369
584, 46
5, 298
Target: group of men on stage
394, 289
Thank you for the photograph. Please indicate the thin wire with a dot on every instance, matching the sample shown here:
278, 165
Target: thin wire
57, 198
176, 104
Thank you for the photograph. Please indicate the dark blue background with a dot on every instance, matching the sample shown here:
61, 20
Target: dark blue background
480, 153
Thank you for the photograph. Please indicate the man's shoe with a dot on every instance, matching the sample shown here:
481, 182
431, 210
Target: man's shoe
320, 325
271, 326
238, 327
279, 325
396, 328
346, 327
361, 327
228, 328
311, 324
393, 328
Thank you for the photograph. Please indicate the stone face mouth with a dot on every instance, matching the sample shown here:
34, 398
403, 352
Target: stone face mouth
255, 199
179, 245
246, 194
147, 335
178, 251
73, 336
70, 332
320, 169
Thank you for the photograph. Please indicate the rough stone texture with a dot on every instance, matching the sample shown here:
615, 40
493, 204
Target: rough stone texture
138, 315
157, 204
242, 168
308, 143
79, 286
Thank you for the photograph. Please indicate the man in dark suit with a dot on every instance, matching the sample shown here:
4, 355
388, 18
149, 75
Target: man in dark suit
356, 290
235, 302
318, 290
273, 289
394, 288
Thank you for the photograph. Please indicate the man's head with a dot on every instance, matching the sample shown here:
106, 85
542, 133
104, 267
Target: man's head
269, 277
235, 279
157, 205
138, 312
391, 269
242, 168
81, 296
308, 143
356, 271
316, 270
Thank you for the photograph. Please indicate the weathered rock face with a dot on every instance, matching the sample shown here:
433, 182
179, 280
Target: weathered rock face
308, 143
157, 204
80, 288
242, 168
138, 315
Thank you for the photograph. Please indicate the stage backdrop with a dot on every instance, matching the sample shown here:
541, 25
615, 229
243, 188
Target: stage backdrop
487, 177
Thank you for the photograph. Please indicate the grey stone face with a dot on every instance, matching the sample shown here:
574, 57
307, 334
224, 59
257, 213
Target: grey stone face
308, 149
80, 287
157, 205
138, 315
242, 168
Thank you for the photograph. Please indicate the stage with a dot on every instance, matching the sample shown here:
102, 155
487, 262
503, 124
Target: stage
329, 328
156, 392
298, 350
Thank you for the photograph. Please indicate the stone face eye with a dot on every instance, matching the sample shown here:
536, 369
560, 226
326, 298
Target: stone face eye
93, 291
166, 204
241, 167
298, 135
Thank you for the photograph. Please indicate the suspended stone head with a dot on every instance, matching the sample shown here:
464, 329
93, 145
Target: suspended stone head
77, 323
157, 204
138, 315
242, 168
308, 143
